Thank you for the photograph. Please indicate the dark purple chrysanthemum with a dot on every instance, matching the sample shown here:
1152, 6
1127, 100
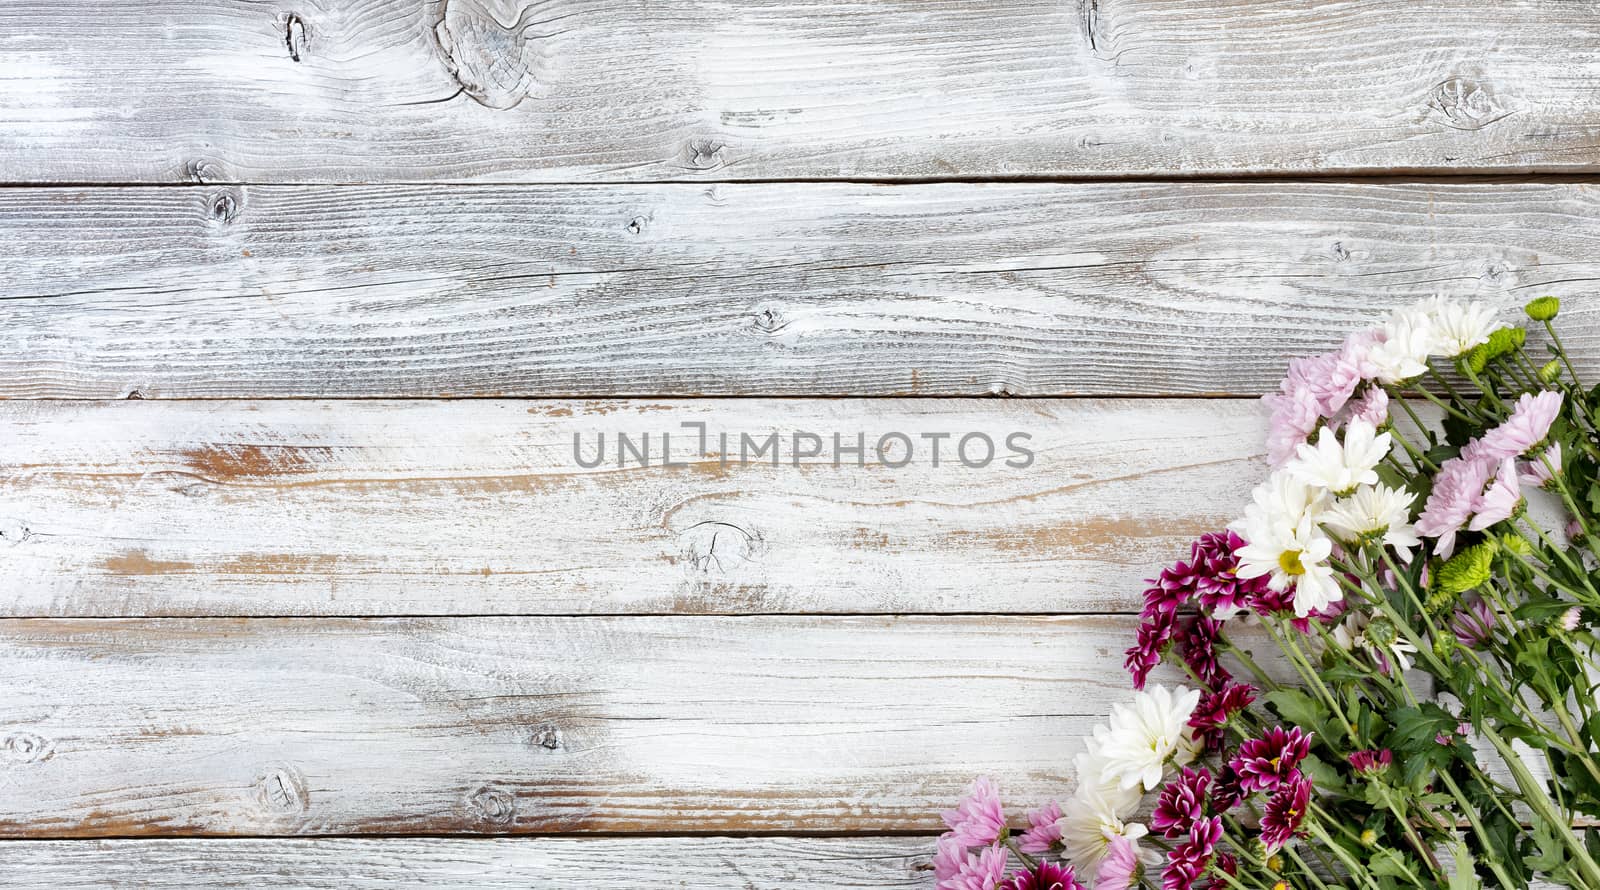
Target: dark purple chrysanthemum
1182, 802
1187, 863
1284, 812
1211, 716
1212, 565
1225, 792
1266, 762
1044, 876
1197, 643
1153, 636
1371, 763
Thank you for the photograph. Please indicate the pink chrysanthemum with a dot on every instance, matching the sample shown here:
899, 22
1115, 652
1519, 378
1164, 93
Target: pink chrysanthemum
1293, 415
1371, 763
1121, 868
1500, 500
979, 871
948, 857
1044, 876
1527, 426
1285, 810
1182, 802
1457, 489
1474, 623
1371, 406
1542, 468
1044, 831
1211, 716
1264, 763
979, 818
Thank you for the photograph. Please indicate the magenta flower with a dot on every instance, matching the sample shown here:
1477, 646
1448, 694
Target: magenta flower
1120, 869
1285, 810
1043, 831
1371, 763
1044, 876
1152, 638
1265, 763
979, 871
1527, 426
1213, 572
1474, 623
1210, 577
1227, 864
1197, 643
978, 820
1182, 802
1211, 716
1500, 499
1457, 488
1187, 863
1226, 793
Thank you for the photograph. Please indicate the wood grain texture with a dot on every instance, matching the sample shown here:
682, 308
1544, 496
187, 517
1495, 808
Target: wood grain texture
539, 725
895, 863
601, 90
476, 507
799, 289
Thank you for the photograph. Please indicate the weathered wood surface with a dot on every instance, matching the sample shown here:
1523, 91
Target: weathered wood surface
596, 90
892, 863
136, 727
802, 289
474, 506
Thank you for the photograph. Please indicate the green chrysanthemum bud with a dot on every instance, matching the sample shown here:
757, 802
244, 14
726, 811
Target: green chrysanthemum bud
1504, 342
1474, 360
1543, 309
1369, 838
1550, 372
1516, 544
1444, 647
1440, 601
1466, 569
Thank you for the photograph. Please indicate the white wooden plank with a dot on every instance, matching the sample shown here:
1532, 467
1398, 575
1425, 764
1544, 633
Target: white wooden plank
800, 289
256, 727
471, 864
567, 90
476, 507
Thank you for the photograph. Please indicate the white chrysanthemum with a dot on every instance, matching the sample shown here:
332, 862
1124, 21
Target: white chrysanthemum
1408, 338
1374, 513
1088, 823
1144, 736
1284, 542
1340, 466
1458, 327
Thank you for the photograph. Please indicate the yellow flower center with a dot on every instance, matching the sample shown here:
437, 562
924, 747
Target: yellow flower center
1289, 561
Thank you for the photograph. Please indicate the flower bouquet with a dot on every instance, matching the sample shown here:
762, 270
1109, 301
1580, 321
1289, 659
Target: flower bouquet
1390, 673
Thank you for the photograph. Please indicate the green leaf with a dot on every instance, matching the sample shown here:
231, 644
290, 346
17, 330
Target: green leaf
1465, 876
1299, 709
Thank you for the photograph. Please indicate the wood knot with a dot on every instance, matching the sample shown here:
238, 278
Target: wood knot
282, 790
636, 225
294, 35
224, 207
14, 531
770, 321
203, 171
705, 154
25, 747
493, 805
719, 547
1466, 104
497, 59
547, 737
